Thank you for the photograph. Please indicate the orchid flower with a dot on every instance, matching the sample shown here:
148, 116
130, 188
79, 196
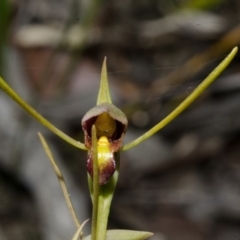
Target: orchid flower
104, 127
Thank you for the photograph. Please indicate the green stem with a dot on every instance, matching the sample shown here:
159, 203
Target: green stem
106, 193
37, 116
195, 94
95, 183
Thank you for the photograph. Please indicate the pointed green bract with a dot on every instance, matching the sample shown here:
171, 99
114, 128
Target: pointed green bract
104, 93
125, 235
187, 102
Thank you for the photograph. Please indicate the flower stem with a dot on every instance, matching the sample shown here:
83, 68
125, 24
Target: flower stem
95, 184
106, 193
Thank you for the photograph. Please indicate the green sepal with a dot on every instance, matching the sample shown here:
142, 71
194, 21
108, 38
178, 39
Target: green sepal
12, 94
104, 93
125, 235
187, 102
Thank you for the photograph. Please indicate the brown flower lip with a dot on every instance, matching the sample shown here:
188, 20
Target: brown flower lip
106, 170
116, 114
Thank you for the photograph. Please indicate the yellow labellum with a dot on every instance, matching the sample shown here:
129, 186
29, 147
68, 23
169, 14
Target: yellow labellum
105, 125
104, 151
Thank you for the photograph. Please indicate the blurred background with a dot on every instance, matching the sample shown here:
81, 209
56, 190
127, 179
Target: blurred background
181, 184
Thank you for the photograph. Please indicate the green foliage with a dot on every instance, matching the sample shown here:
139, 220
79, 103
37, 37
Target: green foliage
125, 235
201, 4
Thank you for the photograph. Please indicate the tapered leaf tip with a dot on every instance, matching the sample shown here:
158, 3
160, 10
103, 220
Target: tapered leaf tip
104, 92
234, 50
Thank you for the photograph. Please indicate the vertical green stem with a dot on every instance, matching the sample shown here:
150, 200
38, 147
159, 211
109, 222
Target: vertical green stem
103, 201
95, 183
104, 208
106, 193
